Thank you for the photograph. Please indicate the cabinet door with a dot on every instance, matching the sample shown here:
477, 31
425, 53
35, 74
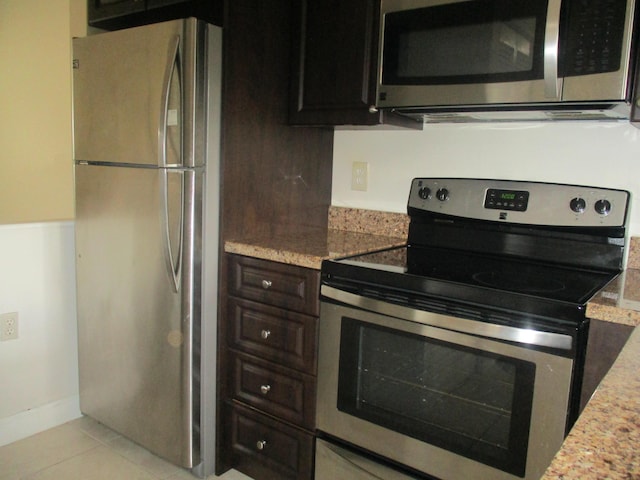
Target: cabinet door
334, 63
281, 336
284, 393
334, 76
118, 14
265, 448
104, 9
285, 286
163, 3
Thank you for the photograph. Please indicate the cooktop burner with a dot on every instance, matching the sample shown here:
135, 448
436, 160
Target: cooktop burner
518, 282
493, 273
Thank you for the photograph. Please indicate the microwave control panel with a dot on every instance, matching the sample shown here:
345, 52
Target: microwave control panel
594, 37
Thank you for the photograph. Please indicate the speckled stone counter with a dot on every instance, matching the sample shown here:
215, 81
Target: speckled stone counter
619, 302
351, 231
308, 249
603, 444
605, 441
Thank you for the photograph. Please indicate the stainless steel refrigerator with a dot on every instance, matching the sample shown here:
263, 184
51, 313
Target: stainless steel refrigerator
146, 149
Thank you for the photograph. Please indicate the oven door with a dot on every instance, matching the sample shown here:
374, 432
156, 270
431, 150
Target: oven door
419, 389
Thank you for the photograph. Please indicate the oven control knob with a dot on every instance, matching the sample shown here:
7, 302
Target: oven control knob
424, 193
442, 194
578, 205
603, 207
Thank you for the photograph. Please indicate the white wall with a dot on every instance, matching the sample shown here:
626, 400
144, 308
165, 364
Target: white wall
603, 154
39, 370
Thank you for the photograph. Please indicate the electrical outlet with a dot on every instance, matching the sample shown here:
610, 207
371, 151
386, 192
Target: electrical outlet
9, 326
360, 176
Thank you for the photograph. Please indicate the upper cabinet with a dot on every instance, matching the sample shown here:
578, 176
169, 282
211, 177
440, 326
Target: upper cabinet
115, 14
99, 10
334, 65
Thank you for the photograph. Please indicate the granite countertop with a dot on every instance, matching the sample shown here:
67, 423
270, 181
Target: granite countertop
308, 249
350, 231
603, 444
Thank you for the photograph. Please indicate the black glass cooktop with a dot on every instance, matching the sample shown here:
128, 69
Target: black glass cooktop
494, 275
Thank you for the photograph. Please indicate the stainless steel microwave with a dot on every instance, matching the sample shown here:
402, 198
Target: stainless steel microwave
507, 58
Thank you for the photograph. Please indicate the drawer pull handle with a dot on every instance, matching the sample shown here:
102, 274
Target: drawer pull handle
266, 284
264, 389
261, 444
265, 334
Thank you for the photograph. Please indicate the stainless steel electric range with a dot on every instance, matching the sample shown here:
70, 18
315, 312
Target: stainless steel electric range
461, 354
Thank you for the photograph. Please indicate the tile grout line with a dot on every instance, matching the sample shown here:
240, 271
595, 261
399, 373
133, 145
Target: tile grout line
106, 443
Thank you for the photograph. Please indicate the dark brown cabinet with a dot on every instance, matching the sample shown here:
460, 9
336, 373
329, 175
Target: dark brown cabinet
271, 330
267, 449
334, 65
116, 14
99, 10
276, 180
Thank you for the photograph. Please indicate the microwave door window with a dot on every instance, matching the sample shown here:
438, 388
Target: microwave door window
484, 49
468, 42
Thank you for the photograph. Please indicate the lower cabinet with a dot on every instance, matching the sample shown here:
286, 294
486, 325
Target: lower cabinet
270, 359
265, 448
278, 391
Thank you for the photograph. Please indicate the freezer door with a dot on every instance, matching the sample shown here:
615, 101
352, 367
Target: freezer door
136, 94
135, 270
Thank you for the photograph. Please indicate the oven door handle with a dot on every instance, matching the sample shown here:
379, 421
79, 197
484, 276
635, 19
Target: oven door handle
484, 329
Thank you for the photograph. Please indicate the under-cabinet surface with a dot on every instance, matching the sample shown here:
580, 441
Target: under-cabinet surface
117, 14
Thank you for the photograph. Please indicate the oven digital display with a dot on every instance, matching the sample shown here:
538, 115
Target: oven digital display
496, 199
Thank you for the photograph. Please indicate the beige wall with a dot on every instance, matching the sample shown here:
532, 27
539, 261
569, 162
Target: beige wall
36, 171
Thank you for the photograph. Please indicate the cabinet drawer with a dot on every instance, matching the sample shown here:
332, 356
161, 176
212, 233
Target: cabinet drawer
274, 334
284, 393
286, 286
264, 448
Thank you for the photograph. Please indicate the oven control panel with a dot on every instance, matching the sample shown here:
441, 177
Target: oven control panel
499, 199
532, 203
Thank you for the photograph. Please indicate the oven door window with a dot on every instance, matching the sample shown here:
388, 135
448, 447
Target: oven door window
465, 42
470, 402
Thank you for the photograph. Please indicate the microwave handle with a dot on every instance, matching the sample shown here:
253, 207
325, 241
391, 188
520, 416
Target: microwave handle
551, 49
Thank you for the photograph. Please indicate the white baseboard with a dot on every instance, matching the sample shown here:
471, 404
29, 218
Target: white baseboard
35, 420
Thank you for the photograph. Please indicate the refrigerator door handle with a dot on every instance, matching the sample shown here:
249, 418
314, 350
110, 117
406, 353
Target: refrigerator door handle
172, 61
172, 238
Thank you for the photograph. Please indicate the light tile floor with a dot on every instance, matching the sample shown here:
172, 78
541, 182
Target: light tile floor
83, 449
